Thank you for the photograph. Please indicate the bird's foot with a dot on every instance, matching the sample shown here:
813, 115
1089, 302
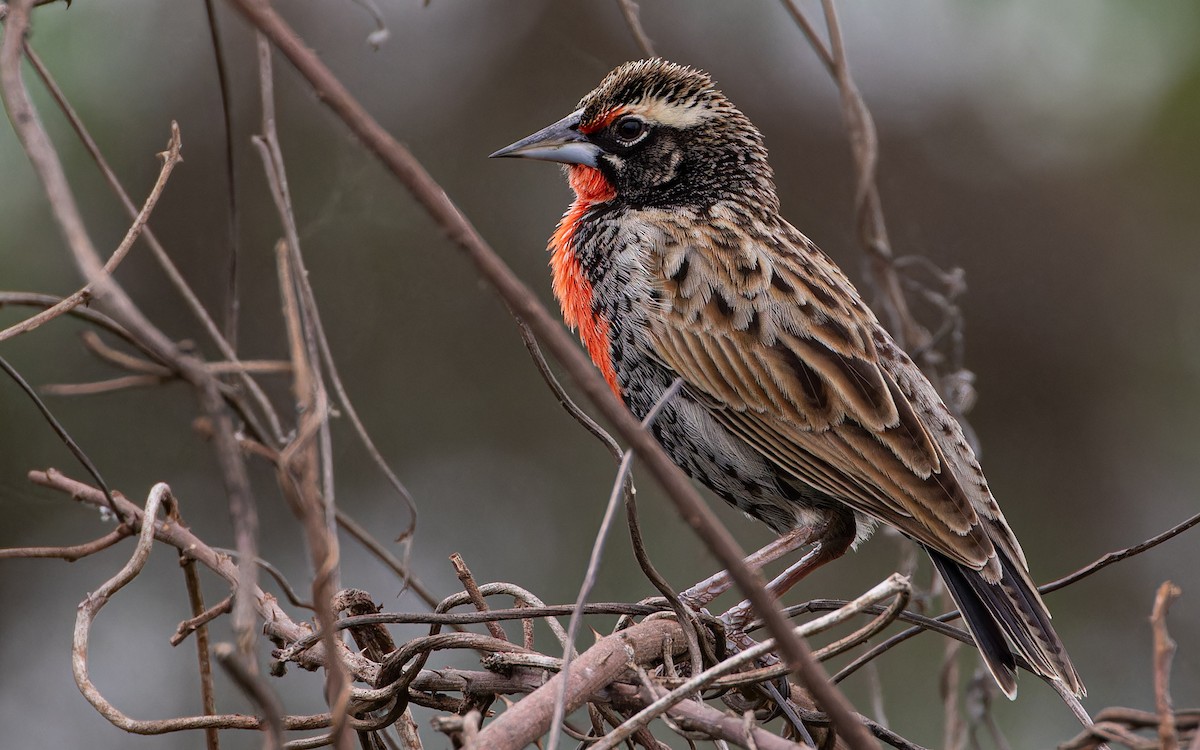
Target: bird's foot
700, 595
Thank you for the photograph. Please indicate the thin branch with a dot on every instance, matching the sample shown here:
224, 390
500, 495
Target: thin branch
864, 143
160, 494
63, 435
258, 691
170, 158
810, 33
954, 384
468, 581
232, 303
48, 167
196, 600
530, 718
719, 725
310, 449
397, 566
356, 531
564, 399
189, 626
471, 618
629, 10
257, 366
118, 358
97, 387
1164, 651
289, 592
1119, 555
102, 321
314, 331
70, 554
86, 314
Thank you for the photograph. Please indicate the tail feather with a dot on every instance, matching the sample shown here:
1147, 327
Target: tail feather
1010, 607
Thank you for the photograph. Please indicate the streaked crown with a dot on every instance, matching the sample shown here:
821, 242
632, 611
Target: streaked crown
670, 137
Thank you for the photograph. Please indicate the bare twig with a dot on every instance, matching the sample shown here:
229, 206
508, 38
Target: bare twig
102, 386
953, 730
207, 697
810, 33
954, 383
373, 641
257, 691
104, 322
629, 9
1164, 651
86, 314
289, 591
63, 435
865, 147
468, 581
351, 527
170, 158
232, 302
70, 554
310, 450
160, 494
189, 626
564, 399
95, 345
407, 729
1119, 555
713, 723
316, 342
372, 545
468, 618
1120, 725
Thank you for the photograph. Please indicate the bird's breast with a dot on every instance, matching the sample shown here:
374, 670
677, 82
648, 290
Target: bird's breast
571, 281
600, 259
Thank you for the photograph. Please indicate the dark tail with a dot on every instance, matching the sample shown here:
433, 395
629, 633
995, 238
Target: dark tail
1004, 615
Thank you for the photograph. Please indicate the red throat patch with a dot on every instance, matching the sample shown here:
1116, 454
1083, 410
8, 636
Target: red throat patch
571, 285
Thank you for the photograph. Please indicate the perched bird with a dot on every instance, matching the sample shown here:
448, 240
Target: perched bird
798, 408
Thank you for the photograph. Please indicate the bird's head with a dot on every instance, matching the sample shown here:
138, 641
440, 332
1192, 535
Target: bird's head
654, 133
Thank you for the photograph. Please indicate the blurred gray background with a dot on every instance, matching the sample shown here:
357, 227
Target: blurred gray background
1050, 150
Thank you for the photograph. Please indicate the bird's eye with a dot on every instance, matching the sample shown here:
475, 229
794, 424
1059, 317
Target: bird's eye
629, 129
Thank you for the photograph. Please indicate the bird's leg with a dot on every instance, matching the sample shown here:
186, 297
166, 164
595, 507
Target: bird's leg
833, 540
699, 595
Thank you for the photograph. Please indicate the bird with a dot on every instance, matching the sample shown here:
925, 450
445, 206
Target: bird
674, 263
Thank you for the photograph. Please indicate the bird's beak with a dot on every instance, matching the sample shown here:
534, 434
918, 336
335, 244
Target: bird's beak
561, 142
